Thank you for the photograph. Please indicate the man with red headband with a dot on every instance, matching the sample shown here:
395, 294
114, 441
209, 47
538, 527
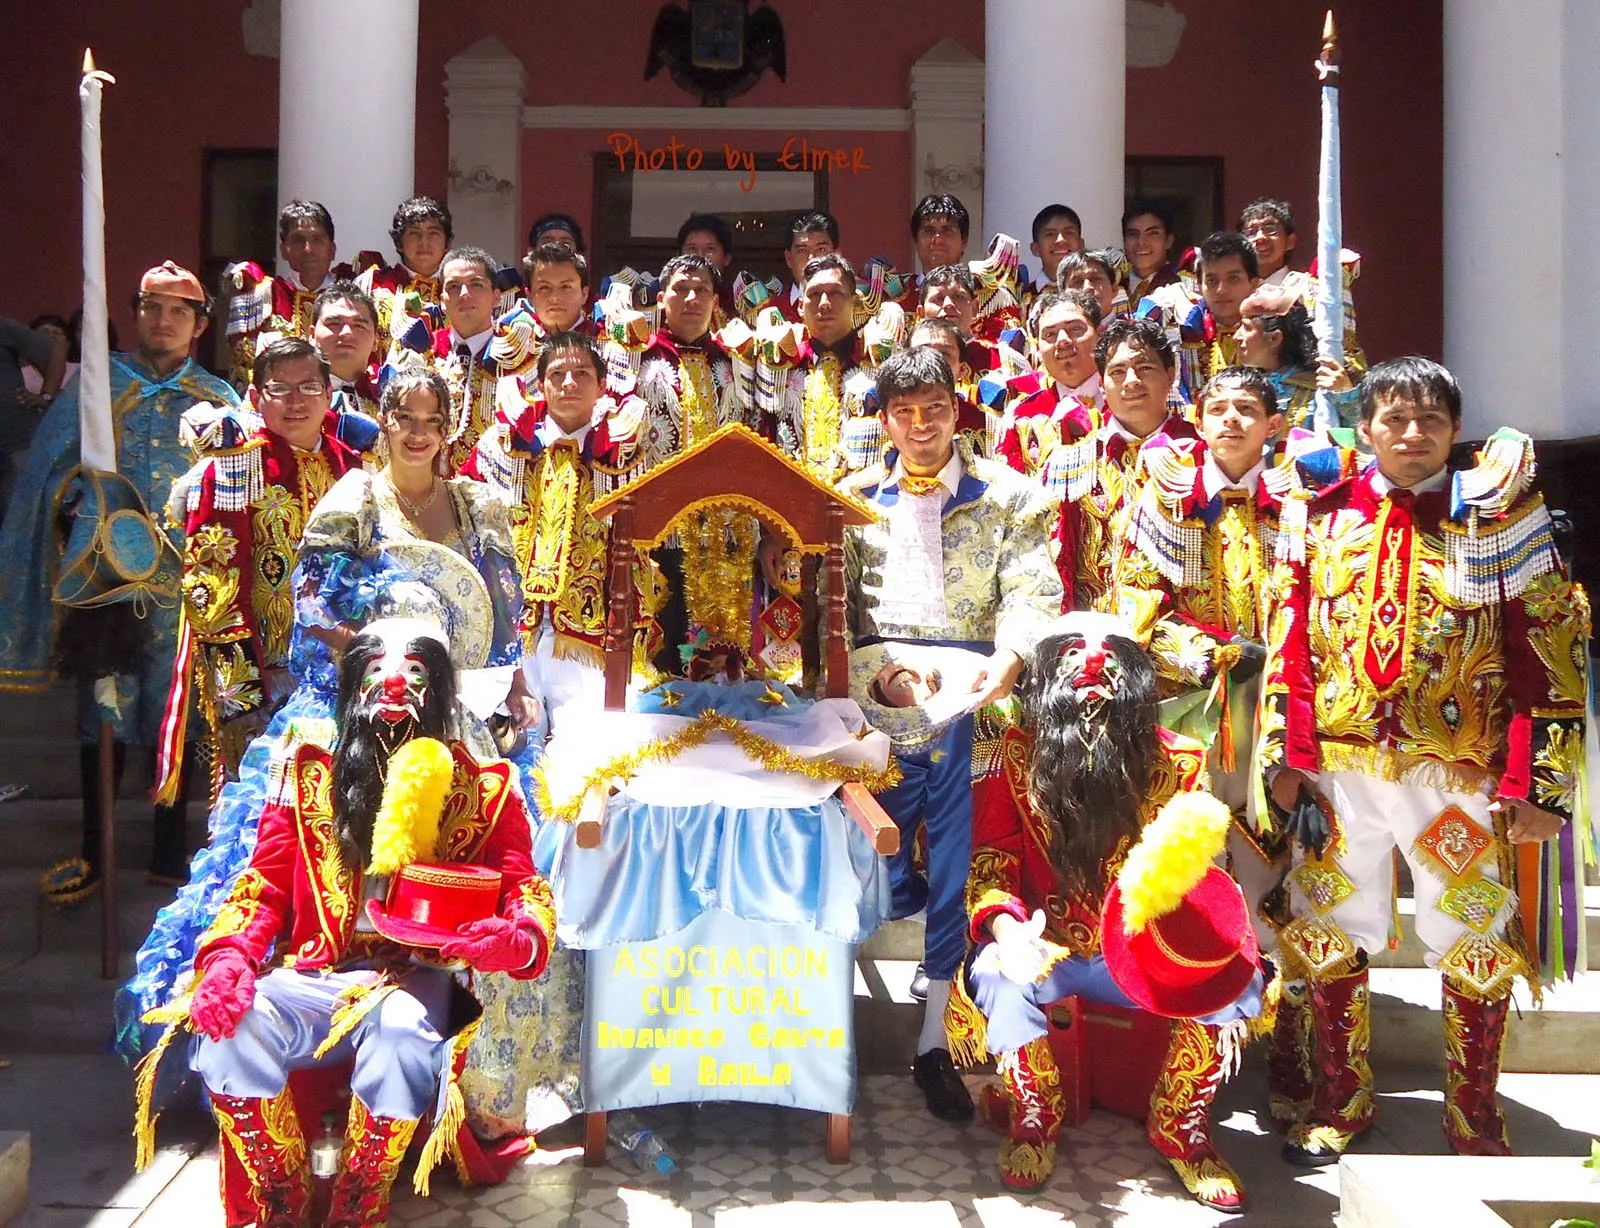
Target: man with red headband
337, 941
123, 663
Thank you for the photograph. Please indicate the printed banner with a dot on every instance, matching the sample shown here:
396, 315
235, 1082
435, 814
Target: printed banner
723, 1009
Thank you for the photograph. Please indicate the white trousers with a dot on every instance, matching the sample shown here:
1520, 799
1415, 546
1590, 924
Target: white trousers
1377, 816
559, 681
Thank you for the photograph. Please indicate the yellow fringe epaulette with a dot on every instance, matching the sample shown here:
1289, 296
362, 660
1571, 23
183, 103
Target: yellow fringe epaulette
441, 1140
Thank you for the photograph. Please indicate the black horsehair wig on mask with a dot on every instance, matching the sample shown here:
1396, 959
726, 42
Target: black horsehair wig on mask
1091, 771
360, 760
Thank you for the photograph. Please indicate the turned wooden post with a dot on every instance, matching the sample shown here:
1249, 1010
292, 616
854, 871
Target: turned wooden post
836, 660
619, 605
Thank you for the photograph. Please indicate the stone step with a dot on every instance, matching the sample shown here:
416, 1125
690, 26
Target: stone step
48, 764
16, 1153
1411, 953
30, 924
37, 831
58, 1003
27, 713
1558, 1038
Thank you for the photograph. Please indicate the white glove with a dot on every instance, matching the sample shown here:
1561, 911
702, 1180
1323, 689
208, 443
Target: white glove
1021, 950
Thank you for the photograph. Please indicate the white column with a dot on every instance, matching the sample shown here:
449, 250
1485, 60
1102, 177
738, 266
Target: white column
1521, 212
947, 131
483, 93
347, 113
1055, 98
1580, 164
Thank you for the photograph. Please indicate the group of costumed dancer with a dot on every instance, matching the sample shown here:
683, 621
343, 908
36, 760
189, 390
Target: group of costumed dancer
1214, 669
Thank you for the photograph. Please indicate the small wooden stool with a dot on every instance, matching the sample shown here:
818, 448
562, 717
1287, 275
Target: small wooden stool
1109, 1056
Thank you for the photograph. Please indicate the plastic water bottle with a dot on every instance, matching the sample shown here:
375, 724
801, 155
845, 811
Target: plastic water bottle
641, 1144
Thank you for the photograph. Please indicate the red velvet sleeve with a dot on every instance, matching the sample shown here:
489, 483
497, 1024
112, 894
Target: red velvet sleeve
1546, 640
1289, 718
994, 883
257, 910
524, 894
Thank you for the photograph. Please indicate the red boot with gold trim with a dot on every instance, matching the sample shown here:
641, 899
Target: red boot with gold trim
264, 1135
1179, 1125
1033, 1084
1342, 1108
1474, 1038
1291, 1084
374, 1149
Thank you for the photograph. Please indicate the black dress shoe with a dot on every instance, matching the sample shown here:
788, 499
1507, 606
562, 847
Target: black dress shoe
941, 1086
919, 983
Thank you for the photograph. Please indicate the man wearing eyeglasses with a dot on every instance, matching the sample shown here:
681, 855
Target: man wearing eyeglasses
1269, 225
243, 508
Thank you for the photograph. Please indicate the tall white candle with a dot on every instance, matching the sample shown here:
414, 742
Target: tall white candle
1330, 227
99, 444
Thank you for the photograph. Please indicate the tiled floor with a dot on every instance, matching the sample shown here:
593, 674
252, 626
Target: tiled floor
753, 1167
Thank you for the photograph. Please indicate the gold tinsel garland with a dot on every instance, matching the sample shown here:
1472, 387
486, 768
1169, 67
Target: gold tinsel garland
771, 756
719, 558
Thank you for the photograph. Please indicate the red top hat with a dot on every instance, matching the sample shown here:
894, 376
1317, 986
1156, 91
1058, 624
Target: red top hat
1189, 962
427, 904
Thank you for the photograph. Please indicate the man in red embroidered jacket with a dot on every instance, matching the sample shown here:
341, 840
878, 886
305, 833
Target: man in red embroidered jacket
297, 971
1064, 326
244, 507
1057, 232
686, 375
265, 307
1096, 471
344, 328
570, 446
1424, 690
457, 346
422, 233
812, 381
556, 302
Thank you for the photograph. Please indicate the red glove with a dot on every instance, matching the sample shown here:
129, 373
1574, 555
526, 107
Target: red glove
224, 994
493, 944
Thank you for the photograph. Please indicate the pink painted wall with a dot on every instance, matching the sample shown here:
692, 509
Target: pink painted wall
184, 83
562, 50
1237, 88
1242, 85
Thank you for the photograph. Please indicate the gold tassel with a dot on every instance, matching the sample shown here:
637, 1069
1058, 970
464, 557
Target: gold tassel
144, 1086
965, 1028
570, 648
354, 1005
1264, 1023
442, 1138
175, 1012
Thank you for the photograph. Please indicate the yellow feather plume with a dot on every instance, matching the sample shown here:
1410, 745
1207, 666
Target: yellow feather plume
407, 826
1172, 855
